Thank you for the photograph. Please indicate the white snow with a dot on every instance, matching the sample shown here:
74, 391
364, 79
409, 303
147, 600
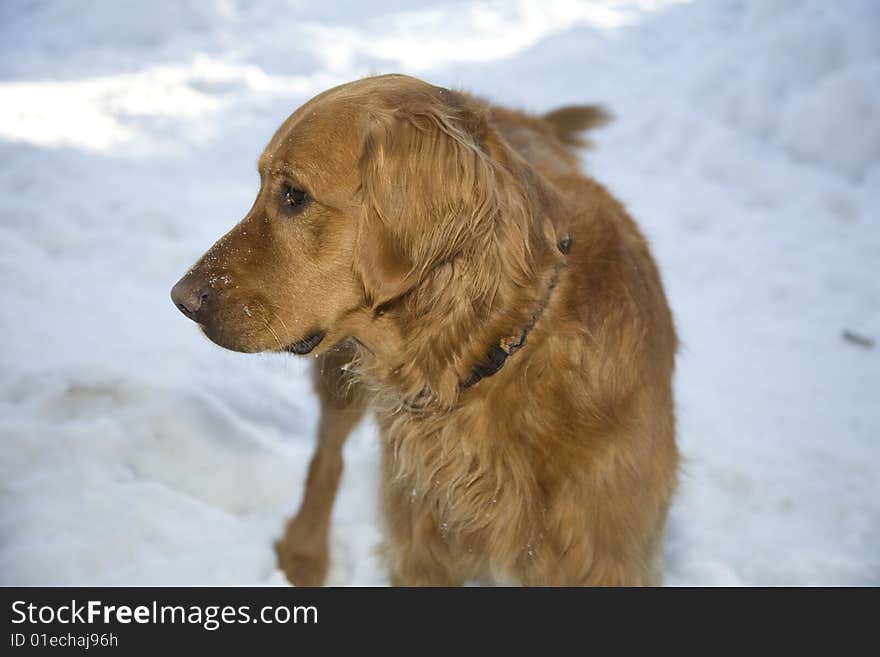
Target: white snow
746, 143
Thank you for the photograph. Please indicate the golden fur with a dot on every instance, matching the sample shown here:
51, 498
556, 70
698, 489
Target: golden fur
429, 234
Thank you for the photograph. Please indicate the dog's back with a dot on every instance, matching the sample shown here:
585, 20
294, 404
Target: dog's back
550, 141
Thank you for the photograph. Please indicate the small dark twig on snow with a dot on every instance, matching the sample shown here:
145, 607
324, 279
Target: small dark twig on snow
855, 338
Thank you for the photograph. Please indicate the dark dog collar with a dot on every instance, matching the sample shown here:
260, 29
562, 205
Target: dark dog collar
506, 347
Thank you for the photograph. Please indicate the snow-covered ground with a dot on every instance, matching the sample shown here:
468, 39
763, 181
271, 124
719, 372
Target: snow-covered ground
747, 144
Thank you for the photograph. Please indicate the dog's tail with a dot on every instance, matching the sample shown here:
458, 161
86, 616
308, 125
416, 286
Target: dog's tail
569, 122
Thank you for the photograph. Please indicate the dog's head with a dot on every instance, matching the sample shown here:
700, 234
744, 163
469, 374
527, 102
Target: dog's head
365, 190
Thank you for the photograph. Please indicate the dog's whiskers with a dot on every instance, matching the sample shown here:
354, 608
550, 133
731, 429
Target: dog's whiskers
272, 331
271, 308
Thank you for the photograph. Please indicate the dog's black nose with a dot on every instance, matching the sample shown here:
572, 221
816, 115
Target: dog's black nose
190, 294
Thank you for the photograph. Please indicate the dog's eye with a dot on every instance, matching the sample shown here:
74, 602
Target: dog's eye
294, 199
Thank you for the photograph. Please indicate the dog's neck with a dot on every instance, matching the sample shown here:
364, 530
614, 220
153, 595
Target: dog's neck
507, 346
451, 330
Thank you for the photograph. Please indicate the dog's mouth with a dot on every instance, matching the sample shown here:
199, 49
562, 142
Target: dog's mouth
305, 345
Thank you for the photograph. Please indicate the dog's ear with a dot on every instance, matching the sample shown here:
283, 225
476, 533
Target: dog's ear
428, 192
380, 257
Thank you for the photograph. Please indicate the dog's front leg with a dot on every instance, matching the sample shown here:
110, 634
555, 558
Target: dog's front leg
303, 552
417, 550
418, 555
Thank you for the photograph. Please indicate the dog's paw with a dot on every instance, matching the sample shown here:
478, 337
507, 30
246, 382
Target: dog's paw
303, 564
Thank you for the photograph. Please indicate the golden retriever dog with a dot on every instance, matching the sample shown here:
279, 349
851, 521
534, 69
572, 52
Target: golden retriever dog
452, 270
